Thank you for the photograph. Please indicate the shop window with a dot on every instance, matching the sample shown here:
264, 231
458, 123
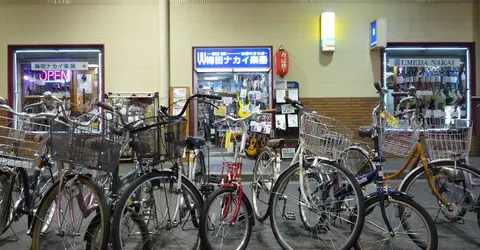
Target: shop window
440, 75
241, 76
73, 75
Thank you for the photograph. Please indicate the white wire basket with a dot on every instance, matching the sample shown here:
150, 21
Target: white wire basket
399, 139
448, 140
22, 141
324, 136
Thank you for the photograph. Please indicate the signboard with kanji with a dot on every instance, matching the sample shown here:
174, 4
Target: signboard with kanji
232, 58
59, 66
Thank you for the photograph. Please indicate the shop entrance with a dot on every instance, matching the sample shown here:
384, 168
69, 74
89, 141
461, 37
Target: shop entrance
242, 76
71, 73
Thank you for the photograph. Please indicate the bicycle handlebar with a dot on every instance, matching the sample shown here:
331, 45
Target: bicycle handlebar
236, 120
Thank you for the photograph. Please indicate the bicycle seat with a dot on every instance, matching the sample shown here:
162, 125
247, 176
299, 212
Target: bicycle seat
365, 131
193, 142
275, 143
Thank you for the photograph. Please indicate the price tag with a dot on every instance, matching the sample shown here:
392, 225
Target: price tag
228, 136
391, 120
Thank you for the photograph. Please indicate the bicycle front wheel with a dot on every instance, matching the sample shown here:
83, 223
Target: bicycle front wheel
408, 232
225, 209
335, 207
168, 213
80, 202
262, 183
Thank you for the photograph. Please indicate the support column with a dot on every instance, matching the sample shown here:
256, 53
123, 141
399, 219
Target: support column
164, 50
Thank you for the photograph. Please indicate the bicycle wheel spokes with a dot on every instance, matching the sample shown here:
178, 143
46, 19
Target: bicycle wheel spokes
323, 222
229, 220
459, 224
70, 229
263, 180
411, 230
157, 215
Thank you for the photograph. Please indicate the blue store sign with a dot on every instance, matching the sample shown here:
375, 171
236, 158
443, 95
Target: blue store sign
373, 34
232, 58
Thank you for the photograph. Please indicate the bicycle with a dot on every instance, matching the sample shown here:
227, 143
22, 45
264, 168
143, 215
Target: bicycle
166, 133
384, 138
77, 146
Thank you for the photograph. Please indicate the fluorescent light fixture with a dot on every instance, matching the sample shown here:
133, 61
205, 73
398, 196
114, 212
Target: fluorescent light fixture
36, 51
210, 78
231, 70
78, 50
467, 84
406, 48
447, 48
327, 27
93, 66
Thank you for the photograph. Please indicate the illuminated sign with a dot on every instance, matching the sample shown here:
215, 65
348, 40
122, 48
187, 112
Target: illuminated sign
55, 75
373, 34
424, 62
232, 58
38, 66
327, 31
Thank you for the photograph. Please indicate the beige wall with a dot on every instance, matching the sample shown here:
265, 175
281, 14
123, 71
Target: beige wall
128, 30
348, 73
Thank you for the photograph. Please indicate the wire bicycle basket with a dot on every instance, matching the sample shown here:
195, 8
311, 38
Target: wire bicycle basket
22, 141
97, 149
447, 141
399, 136
159, 138
324, 136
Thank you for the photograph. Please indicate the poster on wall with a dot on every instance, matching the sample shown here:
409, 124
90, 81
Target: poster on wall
84, 83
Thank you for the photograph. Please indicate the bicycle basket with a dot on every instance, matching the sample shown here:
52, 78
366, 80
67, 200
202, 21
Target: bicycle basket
324, 136
446, 141
85, 146
159, 138
22, 141
399, 138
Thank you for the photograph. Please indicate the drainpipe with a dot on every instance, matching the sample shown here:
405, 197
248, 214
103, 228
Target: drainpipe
164, 50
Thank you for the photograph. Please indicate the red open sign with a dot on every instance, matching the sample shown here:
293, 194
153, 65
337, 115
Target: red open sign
55, 75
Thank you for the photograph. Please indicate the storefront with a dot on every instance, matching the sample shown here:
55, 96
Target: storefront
444, 74
241, 75
71, 73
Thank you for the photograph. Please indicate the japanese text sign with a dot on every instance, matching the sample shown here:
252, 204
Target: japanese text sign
211, 58
59, 66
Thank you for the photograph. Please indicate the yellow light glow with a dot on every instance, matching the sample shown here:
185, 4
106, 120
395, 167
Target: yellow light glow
328, 31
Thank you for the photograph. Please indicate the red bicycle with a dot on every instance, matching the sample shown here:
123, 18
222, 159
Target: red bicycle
234, 208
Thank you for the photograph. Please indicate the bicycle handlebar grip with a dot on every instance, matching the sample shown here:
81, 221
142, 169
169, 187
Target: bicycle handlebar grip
213, 97
105, 106
2, 101
289, 100
399, 93
268, 111
377, 86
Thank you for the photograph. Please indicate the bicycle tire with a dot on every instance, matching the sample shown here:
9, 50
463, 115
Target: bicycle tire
204, 218
51, 196
280, 186
413, 204
260, 217
6, 197
129, 191
419, 171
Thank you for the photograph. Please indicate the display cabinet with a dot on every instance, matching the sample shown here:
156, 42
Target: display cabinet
440, 75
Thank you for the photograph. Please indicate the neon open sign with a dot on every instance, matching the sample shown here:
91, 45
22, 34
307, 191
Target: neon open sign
55, 75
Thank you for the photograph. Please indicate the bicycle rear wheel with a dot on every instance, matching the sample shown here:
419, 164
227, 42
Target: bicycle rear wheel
262, 182
336, 221
91, 205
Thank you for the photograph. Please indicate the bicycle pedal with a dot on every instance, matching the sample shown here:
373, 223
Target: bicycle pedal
289, 216
207, 189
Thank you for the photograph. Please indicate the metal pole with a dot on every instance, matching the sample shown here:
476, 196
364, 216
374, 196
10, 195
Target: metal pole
164, 50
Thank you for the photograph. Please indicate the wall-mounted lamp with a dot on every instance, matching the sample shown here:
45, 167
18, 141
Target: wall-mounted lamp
327, 27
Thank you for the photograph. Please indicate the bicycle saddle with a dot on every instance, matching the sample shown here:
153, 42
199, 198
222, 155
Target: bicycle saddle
275, 143
2, 101
365, 131
193, 142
